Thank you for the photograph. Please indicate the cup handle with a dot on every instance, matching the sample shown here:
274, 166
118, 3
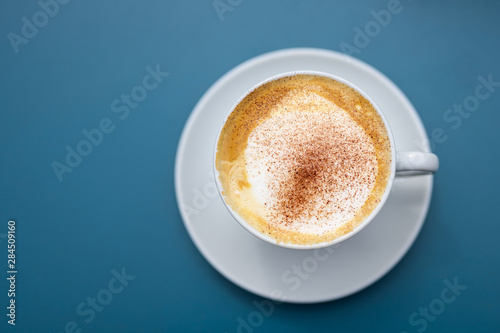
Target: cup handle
412, 163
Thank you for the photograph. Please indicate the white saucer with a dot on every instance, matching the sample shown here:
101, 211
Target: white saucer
298, 276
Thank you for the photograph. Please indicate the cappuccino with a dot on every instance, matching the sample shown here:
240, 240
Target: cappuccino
303, 159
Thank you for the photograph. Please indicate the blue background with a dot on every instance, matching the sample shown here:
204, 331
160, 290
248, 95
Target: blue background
117, 209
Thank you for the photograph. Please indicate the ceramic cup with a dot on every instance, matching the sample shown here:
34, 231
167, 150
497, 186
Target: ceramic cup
402, 163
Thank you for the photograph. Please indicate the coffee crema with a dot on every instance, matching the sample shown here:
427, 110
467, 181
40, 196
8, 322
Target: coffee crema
304, 159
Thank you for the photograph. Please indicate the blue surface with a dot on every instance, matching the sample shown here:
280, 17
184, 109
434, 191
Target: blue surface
115, 214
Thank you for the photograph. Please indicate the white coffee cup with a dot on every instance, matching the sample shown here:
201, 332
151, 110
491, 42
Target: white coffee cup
402, 163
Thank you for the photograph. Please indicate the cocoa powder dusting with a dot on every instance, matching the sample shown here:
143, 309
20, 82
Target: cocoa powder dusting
304, 182
317, 164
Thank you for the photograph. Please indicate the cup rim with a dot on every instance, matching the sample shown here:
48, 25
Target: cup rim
241, 221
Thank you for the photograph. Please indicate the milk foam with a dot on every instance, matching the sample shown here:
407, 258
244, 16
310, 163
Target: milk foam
310, 166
